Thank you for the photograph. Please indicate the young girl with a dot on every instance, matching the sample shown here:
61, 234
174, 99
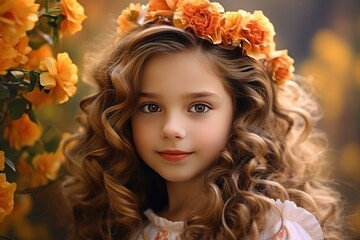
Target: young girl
198, 130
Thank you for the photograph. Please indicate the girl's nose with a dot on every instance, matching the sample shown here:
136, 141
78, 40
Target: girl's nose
173, 128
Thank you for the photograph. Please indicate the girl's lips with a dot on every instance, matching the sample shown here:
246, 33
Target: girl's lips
174, 155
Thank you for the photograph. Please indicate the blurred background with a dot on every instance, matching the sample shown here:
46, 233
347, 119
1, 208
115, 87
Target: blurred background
322, 36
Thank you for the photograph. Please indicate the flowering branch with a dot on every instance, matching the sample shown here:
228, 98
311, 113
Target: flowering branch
30, 77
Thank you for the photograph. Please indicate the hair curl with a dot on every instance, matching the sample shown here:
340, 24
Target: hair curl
273, 151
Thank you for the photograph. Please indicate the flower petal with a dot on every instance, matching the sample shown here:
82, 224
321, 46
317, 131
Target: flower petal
47, 80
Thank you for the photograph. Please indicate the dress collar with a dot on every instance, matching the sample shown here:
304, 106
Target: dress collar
176, 226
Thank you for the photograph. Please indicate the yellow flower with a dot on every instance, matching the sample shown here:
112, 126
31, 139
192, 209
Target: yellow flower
17, 17
22, 132
281, 66
38, 98
18, 216
46, 166
202, 17
12, 56
231, 29
7, 56
2, 160
258, 35
35, 56
60, 77
74, 16
7, 191
22, 48
128, 18
161, 7
25, 172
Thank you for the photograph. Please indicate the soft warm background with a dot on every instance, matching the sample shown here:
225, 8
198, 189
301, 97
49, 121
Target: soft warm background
322, 36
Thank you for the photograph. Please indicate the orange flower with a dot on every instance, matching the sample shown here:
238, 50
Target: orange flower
25, 172
128, 18
60, 77
17, 17
7, 56
258, 35
281, 66
7, 191
202, 17
46, 166
74, 16
2, 160
161, 7
23, 49
22, 132
35, 56
231, 29
38, 98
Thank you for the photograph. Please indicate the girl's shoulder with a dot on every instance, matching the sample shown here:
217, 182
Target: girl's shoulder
298, 223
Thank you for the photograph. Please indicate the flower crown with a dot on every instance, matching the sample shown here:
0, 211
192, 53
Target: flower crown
254, 33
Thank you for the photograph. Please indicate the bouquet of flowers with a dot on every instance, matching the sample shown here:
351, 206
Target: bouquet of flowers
33, 72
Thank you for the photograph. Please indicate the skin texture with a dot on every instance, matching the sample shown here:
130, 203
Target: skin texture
184, 108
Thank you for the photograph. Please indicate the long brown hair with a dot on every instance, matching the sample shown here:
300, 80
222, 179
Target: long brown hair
272, 152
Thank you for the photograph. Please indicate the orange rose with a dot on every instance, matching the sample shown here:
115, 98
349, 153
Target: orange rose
19, 217
46, 166
23, 49
35, 56
231, 29
38, 98
281, 66
2, 160
7, 191
128, 19
17, 17
258, 35
12, 56
161, 7
202, 17
25, 171
22, 132
7, 56
74, 16
60, 77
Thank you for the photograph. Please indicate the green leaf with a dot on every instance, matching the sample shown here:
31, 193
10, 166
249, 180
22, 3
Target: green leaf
17, 107
60, 18
34, 77
4, 91
55, 34
31, 115
52, 144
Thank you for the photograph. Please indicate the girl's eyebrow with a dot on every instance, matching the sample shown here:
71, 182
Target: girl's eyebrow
149, 95
186, 96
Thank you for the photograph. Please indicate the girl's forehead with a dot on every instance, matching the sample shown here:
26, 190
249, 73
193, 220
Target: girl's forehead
182, 64
182, 74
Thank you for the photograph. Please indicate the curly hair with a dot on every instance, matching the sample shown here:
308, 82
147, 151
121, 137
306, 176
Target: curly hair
273, 152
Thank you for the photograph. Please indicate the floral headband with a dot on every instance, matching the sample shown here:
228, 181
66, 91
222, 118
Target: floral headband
208, 20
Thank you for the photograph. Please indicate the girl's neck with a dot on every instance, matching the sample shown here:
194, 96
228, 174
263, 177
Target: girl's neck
183, 198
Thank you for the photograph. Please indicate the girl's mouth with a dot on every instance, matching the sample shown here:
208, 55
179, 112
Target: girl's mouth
174, 155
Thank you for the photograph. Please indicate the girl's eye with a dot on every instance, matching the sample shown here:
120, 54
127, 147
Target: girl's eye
199, 108
150, 108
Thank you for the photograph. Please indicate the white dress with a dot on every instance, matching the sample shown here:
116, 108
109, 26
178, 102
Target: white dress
299, 224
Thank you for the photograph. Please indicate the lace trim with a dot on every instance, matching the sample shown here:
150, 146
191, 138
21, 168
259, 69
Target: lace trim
163, 223
305, 219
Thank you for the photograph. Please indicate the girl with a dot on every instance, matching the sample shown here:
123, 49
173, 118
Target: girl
194, 133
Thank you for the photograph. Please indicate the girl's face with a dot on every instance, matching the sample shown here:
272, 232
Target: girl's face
184, 116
